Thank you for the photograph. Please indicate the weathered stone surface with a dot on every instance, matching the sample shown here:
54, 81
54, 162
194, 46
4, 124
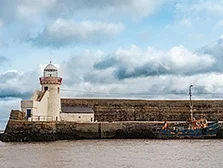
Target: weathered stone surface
110, 129
17, 115
25, 131
136, 130
149, 110
88, 130
66, 130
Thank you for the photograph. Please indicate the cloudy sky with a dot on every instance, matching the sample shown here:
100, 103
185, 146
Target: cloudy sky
151, 49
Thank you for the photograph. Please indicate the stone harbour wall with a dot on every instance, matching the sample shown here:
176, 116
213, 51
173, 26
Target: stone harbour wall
30, 131
26, 131
149, 110
17, 115
73, 130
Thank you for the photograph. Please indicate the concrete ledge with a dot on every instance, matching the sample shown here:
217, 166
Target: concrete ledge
110, 130
88, 130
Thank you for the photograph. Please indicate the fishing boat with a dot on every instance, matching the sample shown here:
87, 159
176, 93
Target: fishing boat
193, 128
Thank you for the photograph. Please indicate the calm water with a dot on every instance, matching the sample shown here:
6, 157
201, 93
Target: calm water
113, 154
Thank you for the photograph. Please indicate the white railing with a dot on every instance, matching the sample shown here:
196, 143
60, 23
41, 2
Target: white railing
40, 118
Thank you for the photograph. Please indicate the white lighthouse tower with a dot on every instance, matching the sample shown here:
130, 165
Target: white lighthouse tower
45, 105
51, 83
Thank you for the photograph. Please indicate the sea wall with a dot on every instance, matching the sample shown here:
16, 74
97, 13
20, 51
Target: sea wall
27, 131
73, 130
103, 130
115, 119
149, 110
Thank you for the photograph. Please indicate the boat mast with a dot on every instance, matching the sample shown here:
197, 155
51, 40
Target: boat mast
191, 104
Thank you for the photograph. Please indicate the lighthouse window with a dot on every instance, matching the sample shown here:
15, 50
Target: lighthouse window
58, 90
45, 88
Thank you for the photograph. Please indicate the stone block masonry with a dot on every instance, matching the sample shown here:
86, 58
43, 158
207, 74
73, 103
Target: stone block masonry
26, 131
73, 130
31, 131
149, 110
17, 115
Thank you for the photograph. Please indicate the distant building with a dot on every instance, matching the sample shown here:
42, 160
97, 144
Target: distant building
45, 105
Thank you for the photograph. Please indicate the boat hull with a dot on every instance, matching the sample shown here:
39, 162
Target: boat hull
184, 133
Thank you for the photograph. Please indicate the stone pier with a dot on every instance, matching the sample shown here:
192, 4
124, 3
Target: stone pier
27, 131
115, 119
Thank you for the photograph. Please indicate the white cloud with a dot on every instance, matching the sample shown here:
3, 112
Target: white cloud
27, 10
220, 23
24, 10
137, 73
206, 86
97, 8
140, 8
63, 32
26, 14
181, 23
77, 67
183, 60
195, 8
211, 6
18, 84
135, 62
186, 22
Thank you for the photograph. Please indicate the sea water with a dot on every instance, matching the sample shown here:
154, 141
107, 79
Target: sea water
118, 153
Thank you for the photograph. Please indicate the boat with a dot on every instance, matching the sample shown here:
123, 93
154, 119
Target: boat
193, 128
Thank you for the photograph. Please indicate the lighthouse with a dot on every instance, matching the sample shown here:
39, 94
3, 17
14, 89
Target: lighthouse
45, 104
50, 83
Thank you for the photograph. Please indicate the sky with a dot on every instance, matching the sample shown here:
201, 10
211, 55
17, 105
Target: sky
136, 49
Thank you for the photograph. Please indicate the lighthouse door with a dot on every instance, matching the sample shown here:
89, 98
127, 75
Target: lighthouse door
28, 113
